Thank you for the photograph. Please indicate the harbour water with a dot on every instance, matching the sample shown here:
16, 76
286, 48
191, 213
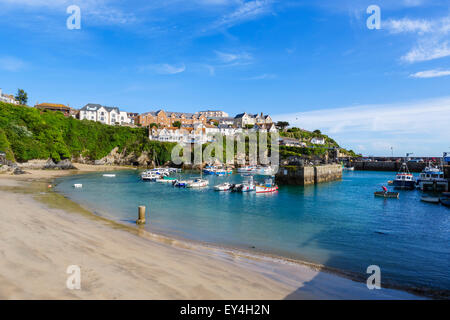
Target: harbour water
338, 224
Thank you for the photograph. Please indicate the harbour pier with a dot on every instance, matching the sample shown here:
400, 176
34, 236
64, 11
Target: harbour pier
308, 175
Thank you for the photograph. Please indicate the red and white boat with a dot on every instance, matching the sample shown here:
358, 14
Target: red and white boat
267, 187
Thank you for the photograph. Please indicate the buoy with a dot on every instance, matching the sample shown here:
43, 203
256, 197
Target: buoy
49, 185
141, 215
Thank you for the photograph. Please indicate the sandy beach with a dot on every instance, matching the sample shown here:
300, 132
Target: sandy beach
42, 233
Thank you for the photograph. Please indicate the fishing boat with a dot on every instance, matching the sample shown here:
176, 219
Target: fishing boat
109, 175
246, 186
430, 199
198, 183
224, 186
404, 179
267, 187
386, 194
432, 179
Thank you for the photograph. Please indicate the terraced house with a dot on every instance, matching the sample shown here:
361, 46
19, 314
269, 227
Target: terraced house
167, 118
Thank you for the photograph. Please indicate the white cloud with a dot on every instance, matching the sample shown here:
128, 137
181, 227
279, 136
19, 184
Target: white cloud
11, 64
164, 68
246, 11
431, 74
426, 51
227, 57
408, 25
264, 76
432, 38
408, 127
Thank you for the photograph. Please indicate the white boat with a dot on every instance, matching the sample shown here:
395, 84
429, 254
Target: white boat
246, 186
267, 187
109, 175
182, 183
78, 185
223, 187
245, 169
166, 180
198, 183
432, 178
149, 176
348, 168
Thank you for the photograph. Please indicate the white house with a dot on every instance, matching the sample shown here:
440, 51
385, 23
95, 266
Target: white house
270, 128
106, 115
8, 98
243, 119
179, 135
317, 140
228, 130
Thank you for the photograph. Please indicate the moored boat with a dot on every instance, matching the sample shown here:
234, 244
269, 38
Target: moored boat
430, 199
404, 179
182, 183
432, 179
166, 180
198, 183
267, 187
224, 187
109, 175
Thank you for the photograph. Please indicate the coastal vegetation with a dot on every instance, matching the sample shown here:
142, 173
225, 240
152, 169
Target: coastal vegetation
27, 133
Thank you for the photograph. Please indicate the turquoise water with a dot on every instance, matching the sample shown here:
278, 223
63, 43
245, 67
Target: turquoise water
338, 224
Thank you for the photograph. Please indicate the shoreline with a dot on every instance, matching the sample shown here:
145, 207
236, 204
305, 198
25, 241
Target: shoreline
250, 261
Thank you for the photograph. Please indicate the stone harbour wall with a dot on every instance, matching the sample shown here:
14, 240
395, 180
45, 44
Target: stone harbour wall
299, 175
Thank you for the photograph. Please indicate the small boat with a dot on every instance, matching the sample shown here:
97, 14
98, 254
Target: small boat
267, 187
445, 201
224, 187
390, 183
109, 175
150, 176
386, 194
245, 169
78, 185
348, 168
430, 199
182, 183
198, 183
166, 180
404, 179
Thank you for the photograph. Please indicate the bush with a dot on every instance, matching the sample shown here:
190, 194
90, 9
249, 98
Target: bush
33, 134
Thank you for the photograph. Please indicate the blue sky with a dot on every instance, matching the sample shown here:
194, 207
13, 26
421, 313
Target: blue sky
313, 63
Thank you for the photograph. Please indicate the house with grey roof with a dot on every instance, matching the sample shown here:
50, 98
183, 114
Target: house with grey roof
103, 114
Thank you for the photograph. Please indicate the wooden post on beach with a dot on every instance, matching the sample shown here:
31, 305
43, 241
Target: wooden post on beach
141, 219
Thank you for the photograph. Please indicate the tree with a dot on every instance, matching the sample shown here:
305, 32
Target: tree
177, 124
249, 126
153, 124
21, 96
317, 131
282, 125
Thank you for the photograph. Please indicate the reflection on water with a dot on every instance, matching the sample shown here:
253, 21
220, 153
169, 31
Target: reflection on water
339, 224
